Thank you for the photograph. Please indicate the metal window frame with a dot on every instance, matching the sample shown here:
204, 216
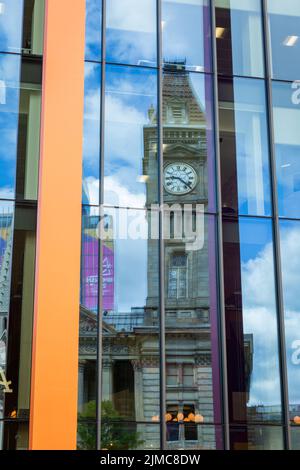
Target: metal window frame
162, 325
219, 248
276, 227
100, 244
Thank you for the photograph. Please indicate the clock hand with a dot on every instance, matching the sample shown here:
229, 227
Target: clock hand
180, 179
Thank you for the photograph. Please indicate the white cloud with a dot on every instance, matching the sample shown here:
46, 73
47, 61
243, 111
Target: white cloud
260, 318
117, 194
131, 15
6, 192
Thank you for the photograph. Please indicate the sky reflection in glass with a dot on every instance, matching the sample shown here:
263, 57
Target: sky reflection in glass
9, 109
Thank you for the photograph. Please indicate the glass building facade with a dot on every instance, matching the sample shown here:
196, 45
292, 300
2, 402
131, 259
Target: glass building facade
189, 323
21, 46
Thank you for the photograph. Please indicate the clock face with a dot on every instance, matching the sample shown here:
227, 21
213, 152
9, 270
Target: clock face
179, 178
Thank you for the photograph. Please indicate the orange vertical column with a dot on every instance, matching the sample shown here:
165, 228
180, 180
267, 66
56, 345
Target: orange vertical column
53, 411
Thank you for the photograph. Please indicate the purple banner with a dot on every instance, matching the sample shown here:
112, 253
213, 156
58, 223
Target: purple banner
89, 285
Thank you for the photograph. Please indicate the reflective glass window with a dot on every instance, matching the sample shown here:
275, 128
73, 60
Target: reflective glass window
257, 437
192, 367
239, 37
254, 388
20, 324
186, 33
244, 147
91, 134
130, 161
192, 360
130, 406
33, 26
93, 25
284, 27
286, 112
188, 149
22, 26
295, 438
11, 20
6, 246
9, 114
290, 255
28, 148
89, 300
131, 32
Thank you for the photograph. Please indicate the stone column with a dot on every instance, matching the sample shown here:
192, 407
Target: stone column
80, 386
107, 382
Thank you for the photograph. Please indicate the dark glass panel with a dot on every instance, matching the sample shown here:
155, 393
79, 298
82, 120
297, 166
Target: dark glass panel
15, 434
257, 437
251, 324
239, 37
28, 149
245, 175
21, 314
33, 26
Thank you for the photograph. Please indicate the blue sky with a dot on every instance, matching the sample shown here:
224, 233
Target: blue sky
9, 109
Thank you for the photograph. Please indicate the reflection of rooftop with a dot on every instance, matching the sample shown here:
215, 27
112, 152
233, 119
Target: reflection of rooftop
126, 321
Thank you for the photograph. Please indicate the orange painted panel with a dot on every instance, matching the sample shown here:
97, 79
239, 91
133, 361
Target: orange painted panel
53, 412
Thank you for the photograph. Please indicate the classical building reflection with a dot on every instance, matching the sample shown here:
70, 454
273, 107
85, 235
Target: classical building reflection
130, 338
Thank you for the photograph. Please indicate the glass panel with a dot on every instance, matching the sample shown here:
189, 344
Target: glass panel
193, 394
89, 298
9, 109
16, 436
131, 32
251, 324
93, 25
22, 26
284, 29
239, 37
130, 393
91, 134
188, 137
286, 113
11, 20
186, 33
6, 245
290, 256
33, 26
295, 435
130, 165
130, 368
28, 149
257, 438
21, 320
244, 147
